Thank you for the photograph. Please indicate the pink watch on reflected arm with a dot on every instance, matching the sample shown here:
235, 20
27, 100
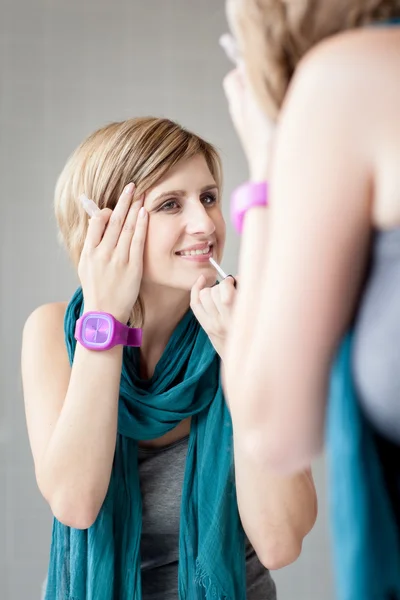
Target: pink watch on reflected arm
247, 195
102, 331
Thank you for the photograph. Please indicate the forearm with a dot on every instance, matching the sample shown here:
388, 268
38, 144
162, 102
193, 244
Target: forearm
252, 270
75, 471
277, 512
251, 273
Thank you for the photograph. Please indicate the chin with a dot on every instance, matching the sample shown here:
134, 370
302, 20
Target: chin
187, 283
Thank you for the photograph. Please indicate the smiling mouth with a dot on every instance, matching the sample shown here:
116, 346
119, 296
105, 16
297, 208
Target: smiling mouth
199, 255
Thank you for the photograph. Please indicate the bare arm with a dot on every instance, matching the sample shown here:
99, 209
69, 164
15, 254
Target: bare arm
277, 511
279, 358
71, 417
72, 414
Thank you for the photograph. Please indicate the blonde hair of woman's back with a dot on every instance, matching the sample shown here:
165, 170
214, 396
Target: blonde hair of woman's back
276, 34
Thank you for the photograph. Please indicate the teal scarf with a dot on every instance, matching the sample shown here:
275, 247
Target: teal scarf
103, 562
366, 549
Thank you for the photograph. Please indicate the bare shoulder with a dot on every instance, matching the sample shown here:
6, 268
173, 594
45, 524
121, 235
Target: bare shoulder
52, 312
345, 85
46, 320
43, 338
356, 59
350, 84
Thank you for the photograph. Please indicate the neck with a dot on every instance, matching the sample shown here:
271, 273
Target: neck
164, 308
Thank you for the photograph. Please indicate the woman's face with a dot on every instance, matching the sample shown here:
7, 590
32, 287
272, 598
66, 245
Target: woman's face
185, 228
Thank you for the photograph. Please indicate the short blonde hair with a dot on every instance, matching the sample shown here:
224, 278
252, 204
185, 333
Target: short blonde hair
141, 150
276, 34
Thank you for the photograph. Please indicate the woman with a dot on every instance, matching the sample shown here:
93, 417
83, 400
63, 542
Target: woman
327, 73
133, 448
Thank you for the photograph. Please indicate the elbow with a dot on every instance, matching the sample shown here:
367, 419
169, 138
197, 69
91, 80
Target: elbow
290, 458
75, 514
70, 508
274, 556
279, 452
73, 508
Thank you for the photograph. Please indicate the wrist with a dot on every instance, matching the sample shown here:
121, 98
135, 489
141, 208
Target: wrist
248, 195
101, 330
218, 347
122, 317
258, 172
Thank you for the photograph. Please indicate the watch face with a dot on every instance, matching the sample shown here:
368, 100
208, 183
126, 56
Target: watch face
97, 330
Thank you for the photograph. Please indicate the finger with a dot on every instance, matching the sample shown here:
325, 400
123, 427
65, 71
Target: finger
196, 289
215, 319
233, 280
195, 302
139, 237
128, 229
96, 228
117, 220
209, 298
233, 84
224, 296
227, 294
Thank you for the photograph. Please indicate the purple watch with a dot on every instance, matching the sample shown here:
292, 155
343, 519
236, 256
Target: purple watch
102, 331
246, 196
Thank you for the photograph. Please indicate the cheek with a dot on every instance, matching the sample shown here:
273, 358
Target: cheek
159, 242
220, 228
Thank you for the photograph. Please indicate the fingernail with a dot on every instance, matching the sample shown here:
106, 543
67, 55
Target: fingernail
90, 207
229, 45
129, 188
142, 212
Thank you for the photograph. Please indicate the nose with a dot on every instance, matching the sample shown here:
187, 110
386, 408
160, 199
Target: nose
199, 220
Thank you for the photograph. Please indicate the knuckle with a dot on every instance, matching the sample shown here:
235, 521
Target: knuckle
87, 253
102, 255
219, 329
119, 260
216, 292
204, 293
128, 227
115, 221
227, 297
137, 242
104, 214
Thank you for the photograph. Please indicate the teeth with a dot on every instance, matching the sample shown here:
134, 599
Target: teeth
195, 252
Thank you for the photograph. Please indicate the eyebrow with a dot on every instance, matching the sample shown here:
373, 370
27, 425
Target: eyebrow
182, 193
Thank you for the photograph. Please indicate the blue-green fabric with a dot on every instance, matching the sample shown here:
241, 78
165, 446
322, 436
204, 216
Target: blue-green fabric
103, 562
366, 550
366, 545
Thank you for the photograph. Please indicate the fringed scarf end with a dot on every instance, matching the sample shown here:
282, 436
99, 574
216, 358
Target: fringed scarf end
211, 589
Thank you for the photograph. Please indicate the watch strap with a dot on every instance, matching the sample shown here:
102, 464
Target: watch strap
244, 197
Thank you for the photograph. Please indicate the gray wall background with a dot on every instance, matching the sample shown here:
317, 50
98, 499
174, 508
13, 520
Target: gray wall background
66, 68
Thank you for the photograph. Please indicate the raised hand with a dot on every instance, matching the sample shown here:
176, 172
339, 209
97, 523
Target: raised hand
111, 264
213, 309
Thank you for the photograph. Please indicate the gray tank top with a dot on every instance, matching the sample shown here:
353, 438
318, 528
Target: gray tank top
161, 479
376, 350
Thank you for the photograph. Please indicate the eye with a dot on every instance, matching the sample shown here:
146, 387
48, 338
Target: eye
169, 206
209, 199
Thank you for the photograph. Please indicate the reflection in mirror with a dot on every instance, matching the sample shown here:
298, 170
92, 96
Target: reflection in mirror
69, 70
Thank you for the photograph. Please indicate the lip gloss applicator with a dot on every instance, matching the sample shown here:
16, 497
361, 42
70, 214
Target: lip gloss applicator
220, 271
